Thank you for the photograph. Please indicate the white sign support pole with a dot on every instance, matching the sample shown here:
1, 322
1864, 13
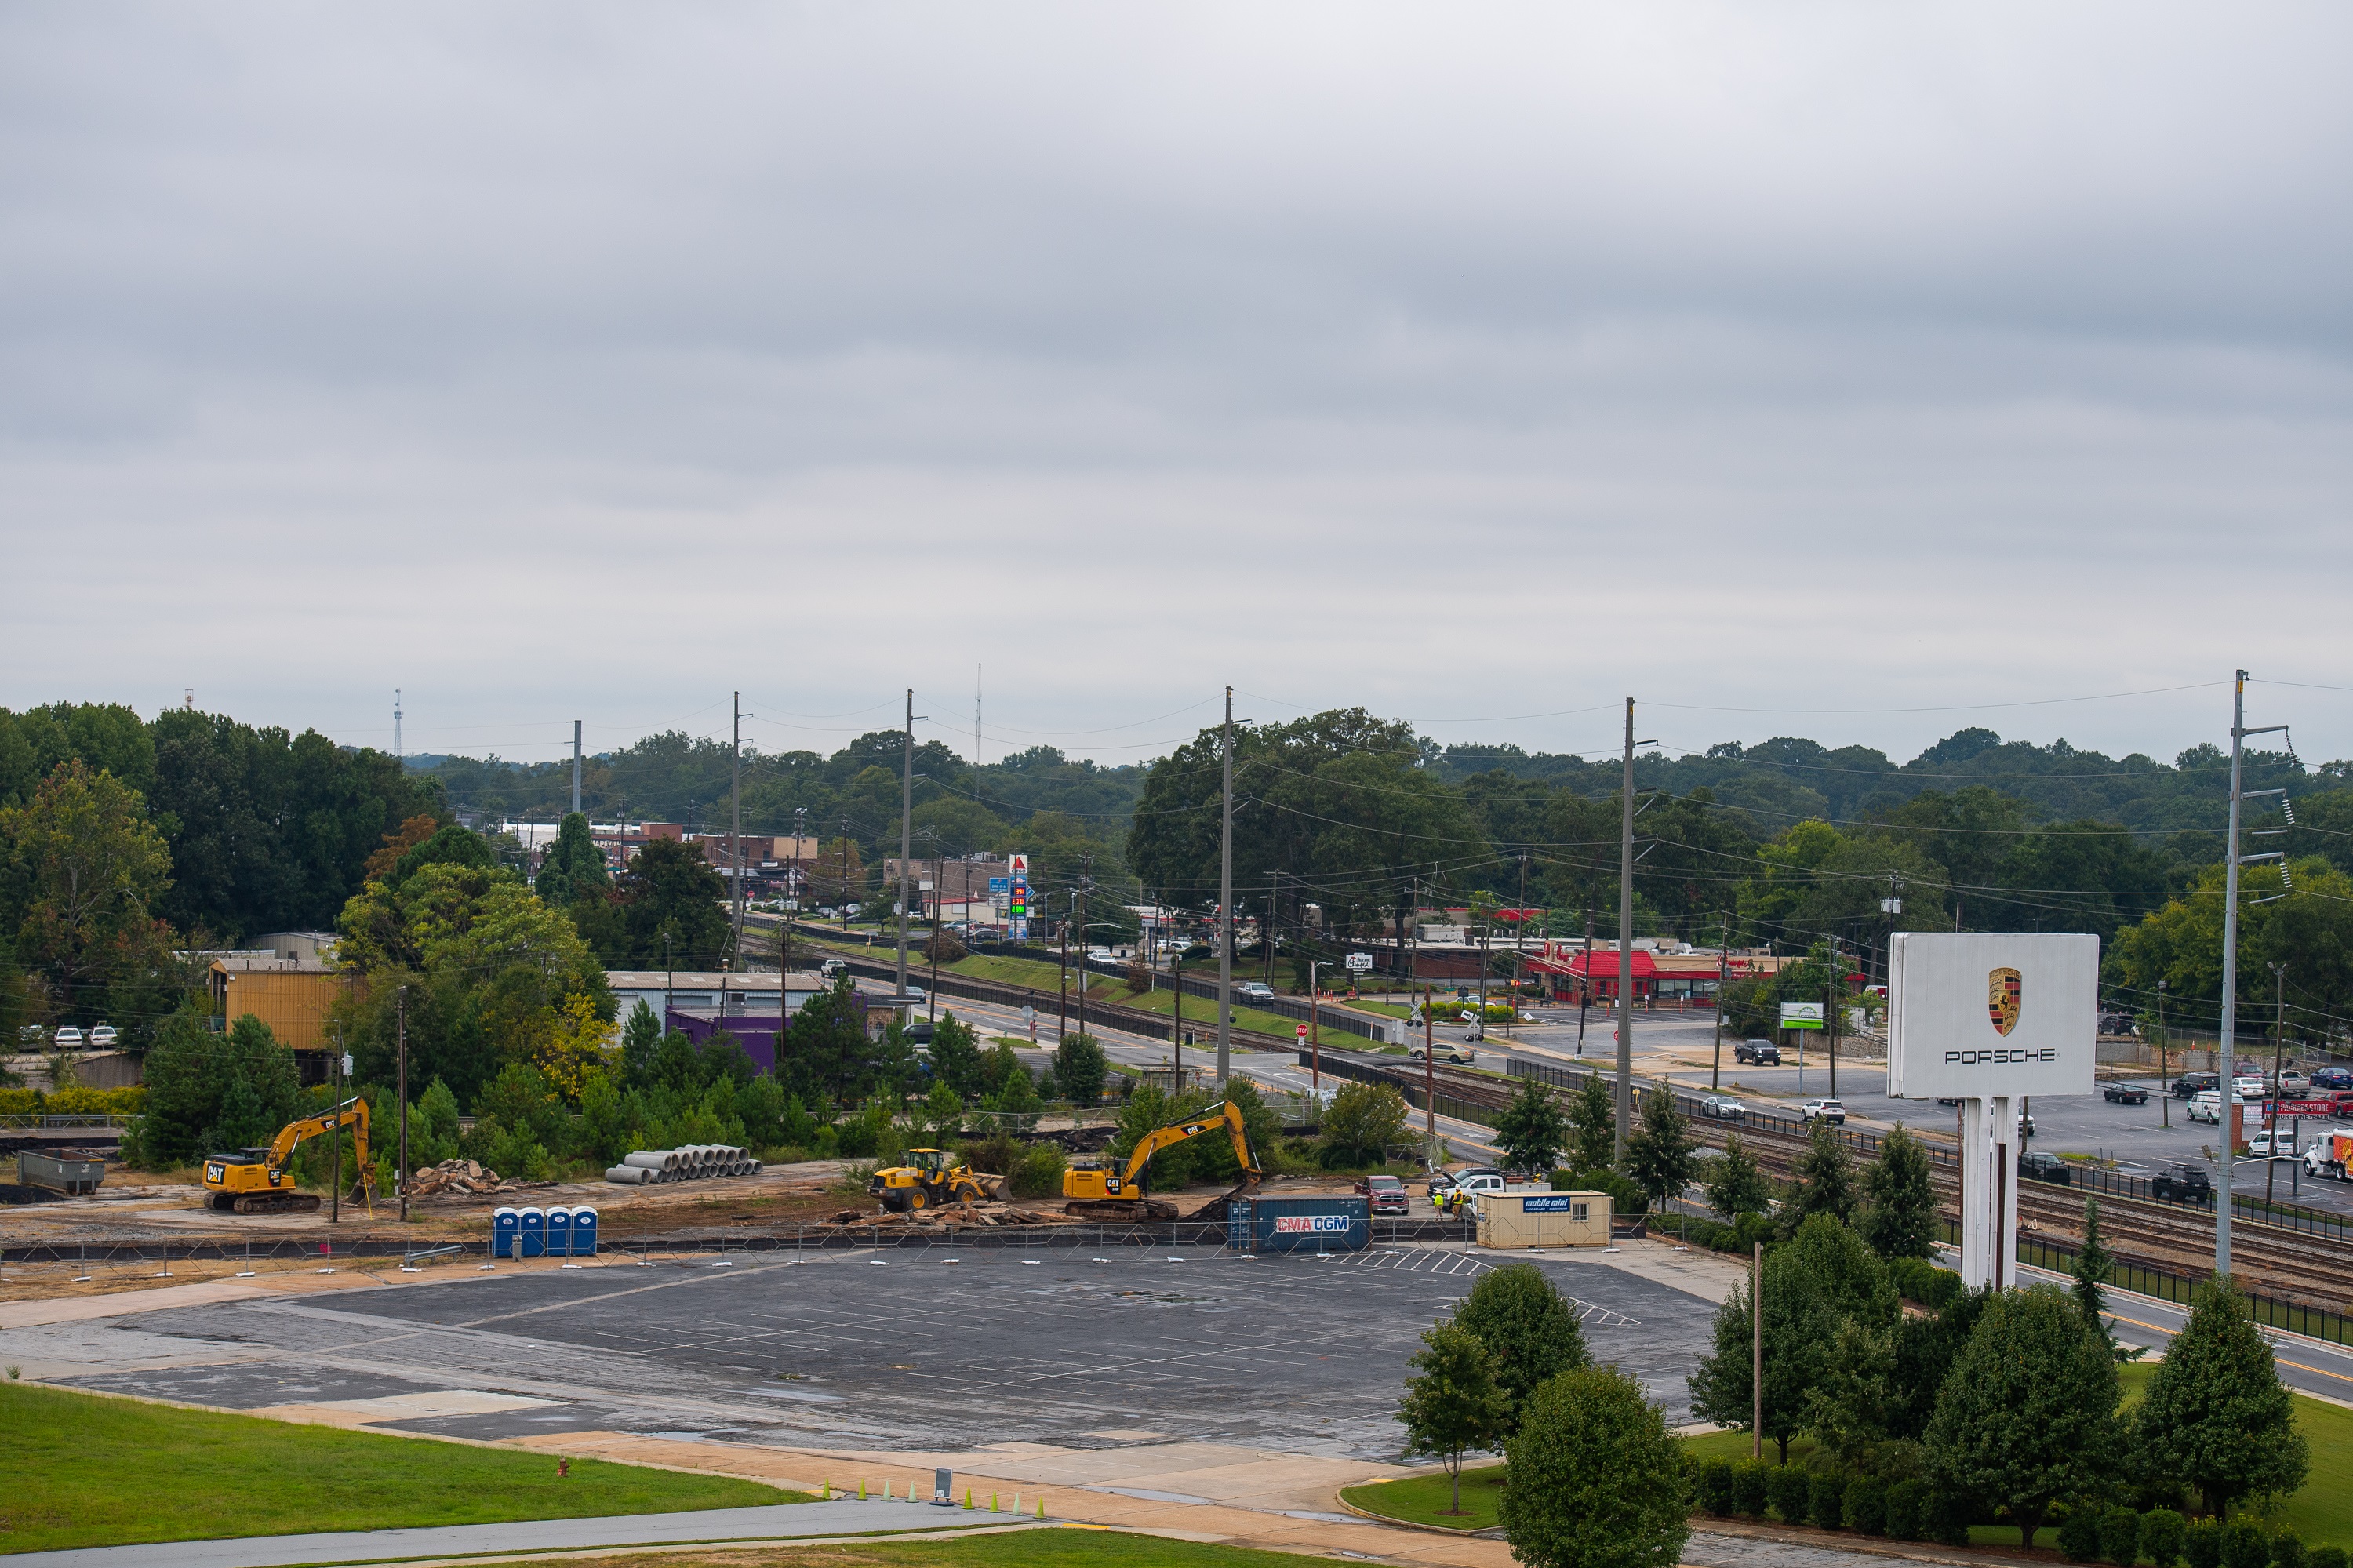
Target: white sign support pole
1988, 1191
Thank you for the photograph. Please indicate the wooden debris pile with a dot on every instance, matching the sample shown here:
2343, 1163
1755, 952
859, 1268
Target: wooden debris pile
961, 1216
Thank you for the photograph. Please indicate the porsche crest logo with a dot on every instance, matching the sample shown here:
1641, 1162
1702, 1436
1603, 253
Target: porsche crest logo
2003, 988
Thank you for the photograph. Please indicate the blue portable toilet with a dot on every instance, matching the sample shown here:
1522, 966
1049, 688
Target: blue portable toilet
533, 1235
559, 1232
584, 1232
505, 1226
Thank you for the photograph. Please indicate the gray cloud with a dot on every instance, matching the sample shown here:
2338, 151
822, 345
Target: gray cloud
1484, 360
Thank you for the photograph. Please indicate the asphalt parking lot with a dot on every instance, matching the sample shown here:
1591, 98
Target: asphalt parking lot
895, 1349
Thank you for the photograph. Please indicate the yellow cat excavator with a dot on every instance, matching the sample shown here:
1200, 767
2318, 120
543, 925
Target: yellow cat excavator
256, 1181
1102, 1192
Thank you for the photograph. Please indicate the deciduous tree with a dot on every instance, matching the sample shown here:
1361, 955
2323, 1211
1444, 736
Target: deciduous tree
1899, 1212
1455, 1404
1597, 1478
1530, 1130
2216, 1416
1530, 1328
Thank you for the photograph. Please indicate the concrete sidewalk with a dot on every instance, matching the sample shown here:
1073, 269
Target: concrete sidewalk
796, 1521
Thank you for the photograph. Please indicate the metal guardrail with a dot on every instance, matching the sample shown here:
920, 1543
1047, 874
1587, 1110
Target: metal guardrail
65, 1123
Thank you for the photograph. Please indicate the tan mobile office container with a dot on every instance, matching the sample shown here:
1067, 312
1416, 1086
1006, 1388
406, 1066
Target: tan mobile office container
1546, 1218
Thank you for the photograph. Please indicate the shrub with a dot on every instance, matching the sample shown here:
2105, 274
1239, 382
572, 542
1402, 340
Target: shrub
2201, 1543
2325, 1557
2160, 1536
855, 1139
1715, 1488
1792, 1493
2244, 1545
2079, 1535
1826, 1500
1917, 1279
1907, 1505
1866, 1506
2287, 1550
1751, 1486
1947, 1519
1038, 1172
2120, 1536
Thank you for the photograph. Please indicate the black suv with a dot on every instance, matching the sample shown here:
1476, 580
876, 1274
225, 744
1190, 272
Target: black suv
2184, 1183
2190, 1084
1761, 1052
2041, 1167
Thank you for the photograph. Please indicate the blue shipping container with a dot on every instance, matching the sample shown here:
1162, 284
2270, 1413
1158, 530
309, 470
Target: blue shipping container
534, 1239
1299, 1224
584, 1232
506, 1224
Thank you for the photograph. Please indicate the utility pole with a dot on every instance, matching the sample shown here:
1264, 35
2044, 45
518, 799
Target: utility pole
906, 840
1226, 909
575, 766
1314, 1036
1625, 1104
735, 810
1176, 1017
1723, 972
2164, 1079
1831, 991
1086, 867
1585, 983
335, 1134
400, 1014
1520, 936
2279, 1060
1062, 1014
396, 723
1757, 1351
2231, 861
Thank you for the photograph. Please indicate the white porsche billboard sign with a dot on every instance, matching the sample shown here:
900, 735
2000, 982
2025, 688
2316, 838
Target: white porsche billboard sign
1980, 1016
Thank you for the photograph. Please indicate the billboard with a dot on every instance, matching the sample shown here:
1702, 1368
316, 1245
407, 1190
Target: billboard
1980, 1016
1802, 1015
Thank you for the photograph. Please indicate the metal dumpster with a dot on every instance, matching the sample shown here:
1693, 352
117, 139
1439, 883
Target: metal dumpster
72, 1176
1298, 1225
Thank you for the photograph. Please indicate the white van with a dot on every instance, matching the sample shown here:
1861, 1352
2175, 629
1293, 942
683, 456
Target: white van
2206, 1107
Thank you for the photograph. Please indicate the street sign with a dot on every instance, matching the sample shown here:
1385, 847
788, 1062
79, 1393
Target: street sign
1000, 885
1360, 963
1029, 1014
1303, 1032
1802, 1015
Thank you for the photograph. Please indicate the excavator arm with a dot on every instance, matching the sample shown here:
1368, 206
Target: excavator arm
1229, 1116
352, 1113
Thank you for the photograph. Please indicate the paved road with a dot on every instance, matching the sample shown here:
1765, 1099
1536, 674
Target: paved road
796, 1521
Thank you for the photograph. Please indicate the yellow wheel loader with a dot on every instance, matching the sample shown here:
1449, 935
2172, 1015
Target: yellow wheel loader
256, 1181
1102, 1192
930, 1178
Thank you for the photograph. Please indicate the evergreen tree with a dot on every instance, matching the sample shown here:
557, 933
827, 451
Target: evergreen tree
1594, 1119
1455, 1404
956, 1057
1528, 1327
1660, 1156
574, 867
1596, 1479
1530, 1131
639, 1038
1733, 1184
2216, 1416
1081, 1068
1899, 1214
2093, 1264
1825, 1183
2028, 1419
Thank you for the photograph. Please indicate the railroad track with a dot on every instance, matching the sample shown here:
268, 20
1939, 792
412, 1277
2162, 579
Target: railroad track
2293, 1265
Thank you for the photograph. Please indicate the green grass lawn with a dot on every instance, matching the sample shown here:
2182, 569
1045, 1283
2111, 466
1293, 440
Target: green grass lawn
2321, 1513
88, 1471
1073, 1547
1423, 1499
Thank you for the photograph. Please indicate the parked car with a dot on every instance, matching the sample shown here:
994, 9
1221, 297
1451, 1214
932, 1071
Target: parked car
2183, 1183
1762, 1052
1475, 1179
102, 1038
1444, 1051
68, 1038
2036, 1166
2126, 1093
2332, 1078
2192, 1084
1385, 1194
1255, 990
918, 1034
2261, 1145
1724, 1108
1829, 1110
2206, 1107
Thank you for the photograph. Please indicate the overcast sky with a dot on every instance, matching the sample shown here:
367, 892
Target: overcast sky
1835, 367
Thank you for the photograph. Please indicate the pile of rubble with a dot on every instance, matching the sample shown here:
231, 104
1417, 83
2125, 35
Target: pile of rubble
960, 1217
458, 1176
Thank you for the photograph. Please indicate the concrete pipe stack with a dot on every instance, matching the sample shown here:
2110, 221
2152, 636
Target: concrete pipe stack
689, 1163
